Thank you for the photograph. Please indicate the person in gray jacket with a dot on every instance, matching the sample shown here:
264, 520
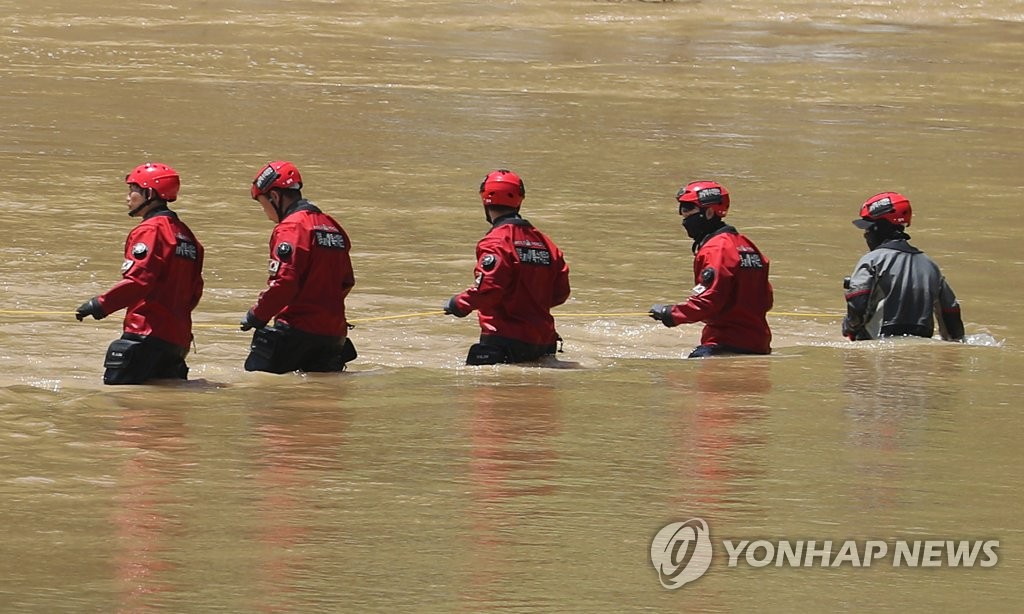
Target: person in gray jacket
896, 290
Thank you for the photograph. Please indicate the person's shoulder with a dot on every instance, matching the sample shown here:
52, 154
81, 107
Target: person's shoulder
921, 256
330, 218
179, 223
742, 236
494, 236
750, 243
295, 218
723, 239
152, 226
497, 239
547, 239
291, 226
534, 228
732, 234
871, 257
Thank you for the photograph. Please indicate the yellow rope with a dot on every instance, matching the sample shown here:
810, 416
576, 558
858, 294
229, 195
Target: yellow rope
803, 314
630, 314
437, 312
37, 313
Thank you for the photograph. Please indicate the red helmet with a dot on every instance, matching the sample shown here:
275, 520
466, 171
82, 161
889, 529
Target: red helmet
277, 174
892, 207
503, 187
162, 178
706, 195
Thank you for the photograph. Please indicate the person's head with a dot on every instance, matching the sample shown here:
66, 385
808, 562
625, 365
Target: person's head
702, 204
883, 217
151, 186
502, 193
276, 187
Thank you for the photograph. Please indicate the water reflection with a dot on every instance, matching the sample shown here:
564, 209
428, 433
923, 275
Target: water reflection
719, 433
299, 442
248, 473
156, 443
294, 493
895, 392
514, 475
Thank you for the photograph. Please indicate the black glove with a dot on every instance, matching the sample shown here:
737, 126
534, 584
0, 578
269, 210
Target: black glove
848, 331
662, 313
452, 308
92, 308
250, 321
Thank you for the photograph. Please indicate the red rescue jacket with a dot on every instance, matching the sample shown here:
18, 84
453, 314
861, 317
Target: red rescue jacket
520, 275
310, 273
732, 295
163, 279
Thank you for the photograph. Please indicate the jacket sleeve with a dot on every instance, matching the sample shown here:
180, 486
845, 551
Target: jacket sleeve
144, 259
349, 281
858, 298
289, 257
715, 279
561, 289
494, 273
947, 310
197, 290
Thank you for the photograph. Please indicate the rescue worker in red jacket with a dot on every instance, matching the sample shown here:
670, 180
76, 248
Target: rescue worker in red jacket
162, 283
896, 289
310, 276
733, 294
520, 275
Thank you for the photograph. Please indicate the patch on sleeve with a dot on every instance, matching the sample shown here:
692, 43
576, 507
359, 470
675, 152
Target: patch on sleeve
126, 265
273, 266
488, 262
533, 255
284, 251
330, 240
186, 249
750, 260
139, 250
479, 279
698, 290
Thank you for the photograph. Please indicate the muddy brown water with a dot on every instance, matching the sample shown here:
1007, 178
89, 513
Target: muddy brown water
413, 483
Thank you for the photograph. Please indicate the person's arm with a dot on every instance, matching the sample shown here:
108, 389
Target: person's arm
561, 289
144, 260
493, 274
715, 279
858, 298
714, 276
289, 257
947, 312
349, 281
197, 290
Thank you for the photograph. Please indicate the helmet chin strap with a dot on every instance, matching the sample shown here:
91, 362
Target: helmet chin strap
278, 208
144, 204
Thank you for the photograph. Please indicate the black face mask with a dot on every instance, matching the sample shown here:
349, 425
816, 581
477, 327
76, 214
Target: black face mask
697, 226
873, 238
881, 232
